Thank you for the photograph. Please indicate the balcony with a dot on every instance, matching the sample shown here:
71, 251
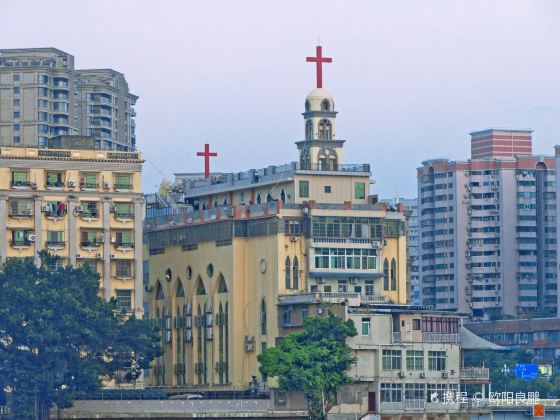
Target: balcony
426, 337
89, 214
21, 213
406, 405
20, 184
475, 374
124, 215
20, 243
89, 185
122, 245
91, 244
54, 184
121, 186
374, 299
55, 244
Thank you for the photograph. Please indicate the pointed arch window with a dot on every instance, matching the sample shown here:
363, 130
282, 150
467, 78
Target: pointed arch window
325, 130
309, 130
263, 317
283, 196
325, 105
200, 289
259, 198
393, 274
269, 198
385, 274
295, 276
288, 274
180, 290
160, 295
222, 287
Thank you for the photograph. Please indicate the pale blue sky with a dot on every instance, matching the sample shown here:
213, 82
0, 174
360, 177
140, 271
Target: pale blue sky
410, 78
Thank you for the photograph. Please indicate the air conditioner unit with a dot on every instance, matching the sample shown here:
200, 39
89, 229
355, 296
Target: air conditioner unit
78, 209
113, 240
72, 183
445, 374
376, 244
113, 209
79, 256
31, 237
249, 347
467, 292
113, 256
33, 185
45, 209
189, 221
422, 375
293, 238
249, 338
402, 374
99, 256
106, 185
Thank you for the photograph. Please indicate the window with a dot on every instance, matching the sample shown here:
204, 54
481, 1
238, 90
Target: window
414, 392
393, 275
16, 102
325, 130
16, 90
17, 139
385, 274
123, 181
325, 105
43, 128
43, 79
16, 114
41, 91
20, 178
20, 207
436, 360
328, 189
304, 314
55, 238
287, 318
91, 238
309, 130
124, 268
263, 317
43, 103
287, 274
416, 324
20, 237
346, 258
16, 127
123, 239
43, 116
55, 179
123, 210
435, 392
42, 141
124, 300
415, 360
89, 180
16, 77
89, 209
60, 106
359, 190
304, 189
391, 359
90, 264
295, 276
366, 326
391, 392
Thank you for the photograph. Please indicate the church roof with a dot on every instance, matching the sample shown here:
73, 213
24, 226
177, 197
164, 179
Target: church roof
319, 93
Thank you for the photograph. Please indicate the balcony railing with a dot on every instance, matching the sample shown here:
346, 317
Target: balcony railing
56, 184
124, 245
335, 168
426, 337
91, 243
21, 213
123, 186
89, 185
55, 244
90, 214
409, 405
22, 242
475, 373
124, 215
20, 183
374, 299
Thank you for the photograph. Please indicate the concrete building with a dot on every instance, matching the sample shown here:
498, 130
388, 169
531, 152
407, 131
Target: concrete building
411, 210
487, 230
80, 203
42, 95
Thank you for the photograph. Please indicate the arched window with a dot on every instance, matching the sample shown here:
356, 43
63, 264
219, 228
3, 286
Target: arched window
269, 198
393, 275
385, 274
259, 198
263, 317
325, 130
199, 340
160, 295
288, 274
307, 105
225, 201
221, 362
283, 196
295, 276
200, 289
222, 286
309, 130
325, 105
180, 291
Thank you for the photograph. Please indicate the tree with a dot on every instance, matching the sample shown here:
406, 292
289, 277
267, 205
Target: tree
313, 361
58, 337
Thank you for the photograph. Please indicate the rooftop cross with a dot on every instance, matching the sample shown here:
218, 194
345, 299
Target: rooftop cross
206, 155
319, 59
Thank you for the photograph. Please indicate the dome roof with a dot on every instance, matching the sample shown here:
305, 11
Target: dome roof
319, 93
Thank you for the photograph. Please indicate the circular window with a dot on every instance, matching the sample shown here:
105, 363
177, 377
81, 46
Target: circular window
189, 272
210, 270
263, 266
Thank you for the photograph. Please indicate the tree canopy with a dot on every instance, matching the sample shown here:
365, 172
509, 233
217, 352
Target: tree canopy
314, 361
58, 337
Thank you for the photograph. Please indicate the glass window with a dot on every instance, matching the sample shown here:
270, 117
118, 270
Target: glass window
55, 237
124, 268
17, 139
123, 210
43, 92
55, 179
16, 114
89, 209
20, 206
391, 359
20, 178
16, 77
341, 258
16, 90
43, 128
43, 103
20, 237
43, 116
414, 392
124, 238
16, 102
415, 360
89, 180
366, 326
90, 264
123, 181
304, 189
391, 392
124, 299
359, 190
16, 127
436, 360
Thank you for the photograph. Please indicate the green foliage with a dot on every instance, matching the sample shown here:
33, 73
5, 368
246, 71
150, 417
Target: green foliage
58, 337
507, 381
314, 361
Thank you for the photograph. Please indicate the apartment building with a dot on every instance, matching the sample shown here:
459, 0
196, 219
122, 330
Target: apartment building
80, 203
42, 95
487, 229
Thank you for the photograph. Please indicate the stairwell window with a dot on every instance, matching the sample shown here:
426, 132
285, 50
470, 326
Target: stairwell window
366, 326
304, 189
360, 190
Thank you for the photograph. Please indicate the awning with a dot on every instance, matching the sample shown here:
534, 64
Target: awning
470, 341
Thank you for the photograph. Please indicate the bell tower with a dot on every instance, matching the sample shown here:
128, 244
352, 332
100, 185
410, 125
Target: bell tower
320, 150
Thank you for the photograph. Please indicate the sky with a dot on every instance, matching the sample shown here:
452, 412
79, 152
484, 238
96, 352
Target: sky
410, 79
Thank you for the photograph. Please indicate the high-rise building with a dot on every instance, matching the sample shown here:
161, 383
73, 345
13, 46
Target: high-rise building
487, 229
42, 95
81, 204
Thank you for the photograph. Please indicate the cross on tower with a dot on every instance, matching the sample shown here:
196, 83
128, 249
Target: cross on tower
206, 155
319, 59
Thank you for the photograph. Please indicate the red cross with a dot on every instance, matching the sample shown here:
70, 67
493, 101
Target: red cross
206, 155
319, 59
